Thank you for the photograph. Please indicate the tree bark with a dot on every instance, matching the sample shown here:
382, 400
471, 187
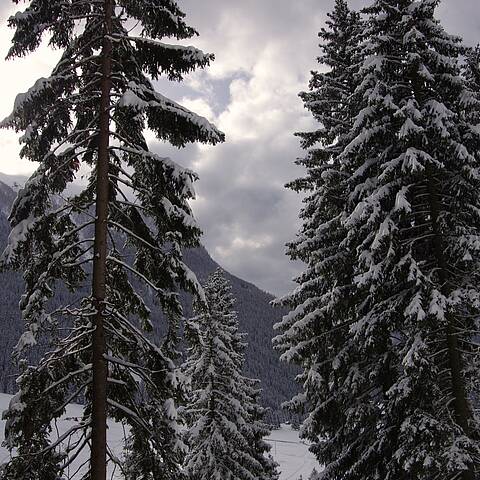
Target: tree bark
98, 460
461, 407
462, 411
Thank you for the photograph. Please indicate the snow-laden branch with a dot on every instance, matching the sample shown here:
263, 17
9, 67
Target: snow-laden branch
139, 97
134, 235
128, 326
135, 272
67, 434
68, 377
133, 416
188, 53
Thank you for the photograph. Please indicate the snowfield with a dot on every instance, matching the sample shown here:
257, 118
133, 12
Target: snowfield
290, 453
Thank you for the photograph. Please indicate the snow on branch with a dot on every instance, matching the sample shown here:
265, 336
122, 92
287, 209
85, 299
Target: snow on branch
135, 272
188, 53
133, 416
18, 235
142, 98
23, 99
184, 176
68, 377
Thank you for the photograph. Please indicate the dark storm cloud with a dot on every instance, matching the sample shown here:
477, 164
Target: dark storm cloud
243, 208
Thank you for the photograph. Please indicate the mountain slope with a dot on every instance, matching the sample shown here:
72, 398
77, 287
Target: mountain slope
256, 317
7, 195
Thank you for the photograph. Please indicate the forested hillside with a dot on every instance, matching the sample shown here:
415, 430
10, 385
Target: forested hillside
255, 314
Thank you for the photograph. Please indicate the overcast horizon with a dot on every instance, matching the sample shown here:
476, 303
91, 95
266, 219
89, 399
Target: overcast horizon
264, 53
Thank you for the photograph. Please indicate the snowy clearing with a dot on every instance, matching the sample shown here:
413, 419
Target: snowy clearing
292, 455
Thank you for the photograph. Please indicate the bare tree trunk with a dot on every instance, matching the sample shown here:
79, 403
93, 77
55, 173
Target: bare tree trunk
98, 461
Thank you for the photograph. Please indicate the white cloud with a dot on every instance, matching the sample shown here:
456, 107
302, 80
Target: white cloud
200, 106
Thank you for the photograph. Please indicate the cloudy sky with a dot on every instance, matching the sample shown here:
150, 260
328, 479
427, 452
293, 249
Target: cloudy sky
264, 51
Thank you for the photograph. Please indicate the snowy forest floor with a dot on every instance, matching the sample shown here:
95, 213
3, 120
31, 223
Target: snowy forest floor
291, 454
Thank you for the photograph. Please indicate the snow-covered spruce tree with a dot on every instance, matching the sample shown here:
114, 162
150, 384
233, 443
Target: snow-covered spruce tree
226, 432
405, 378
471, 73
91, 112
315, 332
256, 430
397, 386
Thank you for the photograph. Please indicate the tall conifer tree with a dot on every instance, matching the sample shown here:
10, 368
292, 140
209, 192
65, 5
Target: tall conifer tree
406, 378
413, 222
314, 334
226, 429
91, 112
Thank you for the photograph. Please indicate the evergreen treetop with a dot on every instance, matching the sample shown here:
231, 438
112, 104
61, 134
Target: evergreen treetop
226, 430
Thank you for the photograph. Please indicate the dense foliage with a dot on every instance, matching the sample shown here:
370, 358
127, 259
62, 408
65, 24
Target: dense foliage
390, 301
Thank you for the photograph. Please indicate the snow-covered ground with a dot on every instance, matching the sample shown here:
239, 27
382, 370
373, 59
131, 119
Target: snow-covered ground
292, 455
